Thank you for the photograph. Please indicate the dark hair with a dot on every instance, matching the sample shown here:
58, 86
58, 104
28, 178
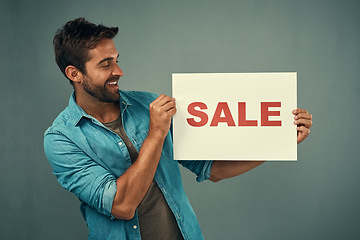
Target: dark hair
73, 41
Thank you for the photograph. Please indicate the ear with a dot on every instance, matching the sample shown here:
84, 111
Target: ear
73, 73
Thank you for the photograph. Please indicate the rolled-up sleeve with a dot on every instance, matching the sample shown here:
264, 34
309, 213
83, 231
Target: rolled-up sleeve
79, 174
202, 169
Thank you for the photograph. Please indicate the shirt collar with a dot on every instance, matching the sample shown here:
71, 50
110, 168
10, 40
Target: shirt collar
77, 113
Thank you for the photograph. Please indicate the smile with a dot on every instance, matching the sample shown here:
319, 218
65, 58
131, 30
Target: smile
112, 83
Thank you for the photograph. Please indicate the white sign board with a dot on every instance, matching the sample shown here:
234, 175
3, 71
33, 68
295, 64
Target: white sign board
235, 116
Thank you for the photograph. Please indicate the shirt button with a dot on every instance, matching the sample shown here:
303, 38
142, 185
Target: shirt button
134, 227
120, 143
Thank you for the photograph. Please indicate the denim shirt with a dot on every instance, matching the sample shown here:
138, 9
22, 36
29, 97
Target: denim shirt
87, 158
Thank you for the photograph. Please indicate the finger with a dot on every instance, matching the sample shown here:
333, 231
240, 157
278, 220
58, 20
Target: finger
304, 122
172, 111
165, 100
164, 107
303, 115
159, 102
299, 110
168, 106
303, 130
158, 99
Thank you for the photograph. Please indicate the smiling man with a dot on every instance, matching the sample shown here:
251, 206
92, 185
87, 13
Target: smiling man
113, 148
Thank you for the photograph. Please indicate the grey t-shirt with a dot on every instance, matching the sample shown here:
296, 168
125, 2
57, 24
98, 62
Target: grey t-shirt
155, 217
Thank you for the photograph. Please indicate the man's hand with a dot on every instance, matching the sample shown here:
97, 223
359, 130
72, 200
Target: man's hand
303, 120
161, 111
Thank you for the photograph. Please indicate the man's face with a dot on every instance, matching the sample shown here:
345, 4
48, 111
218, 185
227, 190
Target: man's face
103, 73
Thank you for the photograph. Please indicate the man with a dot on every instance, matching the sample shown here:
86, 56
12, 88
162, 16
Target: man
113, 148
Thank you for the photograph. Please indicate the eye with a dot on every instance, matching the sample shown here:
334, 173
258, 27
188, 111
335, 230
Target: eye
105, 64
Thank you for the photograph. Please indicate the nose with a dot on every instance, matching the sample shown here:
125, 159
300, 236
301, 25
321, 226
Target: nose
117, 71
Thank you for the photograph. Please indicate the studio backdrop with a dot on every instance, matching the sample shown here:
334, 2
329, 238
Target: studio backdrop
316, 197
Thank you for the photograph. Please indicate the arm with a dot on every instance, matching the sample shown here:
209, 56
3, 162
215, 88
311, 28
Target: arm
134, 183
94, 183
227, 169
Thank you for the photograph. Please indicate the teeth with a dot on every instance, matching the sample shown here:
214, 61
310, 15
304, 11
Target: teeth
112, 83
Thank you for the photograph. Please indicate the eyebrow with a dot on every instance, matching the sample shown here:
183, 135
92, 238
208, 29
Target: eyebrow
107, 59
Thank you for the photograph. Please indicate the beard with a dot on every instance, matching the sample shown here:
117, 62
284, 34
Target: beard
102, 93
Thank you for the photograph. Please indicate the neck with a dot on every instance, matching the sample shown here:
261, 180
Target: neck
102, 111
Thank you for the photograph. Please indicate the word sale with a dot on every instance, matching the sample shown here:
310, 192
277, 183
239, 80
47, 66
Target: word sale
223, 109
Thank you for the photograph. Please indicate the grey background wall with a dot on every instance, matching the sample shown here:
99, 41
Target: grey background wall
315, 198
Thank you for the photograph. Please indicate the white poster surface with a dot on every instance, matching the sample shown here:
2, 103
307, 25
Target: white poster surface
235, 116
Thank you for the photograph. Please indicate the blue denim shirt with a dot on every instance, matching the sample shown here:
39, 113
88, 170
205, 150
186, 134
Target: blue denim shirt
87, 158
